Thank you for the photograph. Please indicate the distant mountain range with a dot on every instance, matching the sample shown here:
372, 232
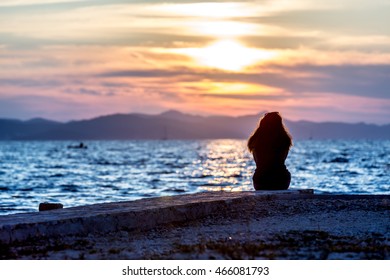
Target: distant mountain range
177, 125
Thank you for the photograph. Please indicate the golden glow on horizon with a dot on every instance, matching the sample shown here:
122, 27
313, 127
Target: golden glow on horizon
235, 88
227, 55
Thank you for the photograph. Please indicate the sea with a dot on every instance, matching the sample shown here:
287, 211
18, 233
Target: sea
32, 172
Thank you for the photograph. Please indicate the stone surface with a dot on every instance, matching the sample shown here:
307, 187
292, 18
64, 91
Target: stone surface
139, 214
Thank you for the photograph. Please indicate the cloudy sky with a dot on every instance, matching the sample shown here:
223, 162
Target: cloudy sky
312, 60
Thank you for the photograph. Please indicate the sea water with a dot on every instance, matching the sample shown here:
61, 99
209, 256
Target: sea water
108, 171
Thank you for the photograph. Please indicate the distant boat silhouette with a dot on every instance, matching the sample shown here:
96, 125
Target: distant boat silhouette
79, 146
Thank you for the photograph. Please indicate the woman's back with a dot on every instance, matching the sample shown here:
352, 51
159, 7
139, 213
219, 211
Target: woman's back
270, 156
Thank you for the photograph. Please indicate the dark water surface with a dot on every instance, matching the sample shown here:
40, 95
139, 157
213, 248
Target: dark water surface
34, 172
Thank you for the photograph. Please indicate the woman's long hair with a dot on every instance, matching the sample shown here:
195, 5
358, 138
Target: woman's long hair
270, 133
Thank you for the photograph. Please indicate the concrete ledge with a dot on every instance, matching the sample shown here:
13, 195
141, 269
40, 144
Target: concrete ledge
133, 215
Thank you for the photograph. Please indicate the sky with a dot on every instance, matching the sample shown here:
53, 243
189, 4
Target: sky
309, 60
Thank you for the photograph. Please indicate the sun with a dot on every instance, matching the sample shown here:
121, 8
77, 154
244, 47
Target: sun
227, 55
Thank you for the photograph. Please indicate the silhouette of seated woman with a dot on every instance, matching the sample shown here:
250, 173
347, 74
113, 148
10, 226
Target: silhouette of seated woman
269, 144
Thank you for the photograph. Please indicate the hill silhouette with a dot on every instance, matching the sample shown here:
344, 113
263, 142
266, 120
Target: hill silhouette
177, 125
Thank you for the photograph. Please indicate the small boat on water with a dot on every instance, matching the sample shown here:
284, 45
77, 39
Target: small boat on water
79, 146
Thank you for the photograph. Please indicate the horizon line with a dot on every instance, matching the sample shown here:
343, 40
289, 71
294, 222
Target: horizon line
188, 114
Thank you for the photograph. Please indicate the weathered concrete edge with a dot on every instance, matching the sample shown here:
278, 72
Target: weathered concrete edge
135, 215
132, 215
